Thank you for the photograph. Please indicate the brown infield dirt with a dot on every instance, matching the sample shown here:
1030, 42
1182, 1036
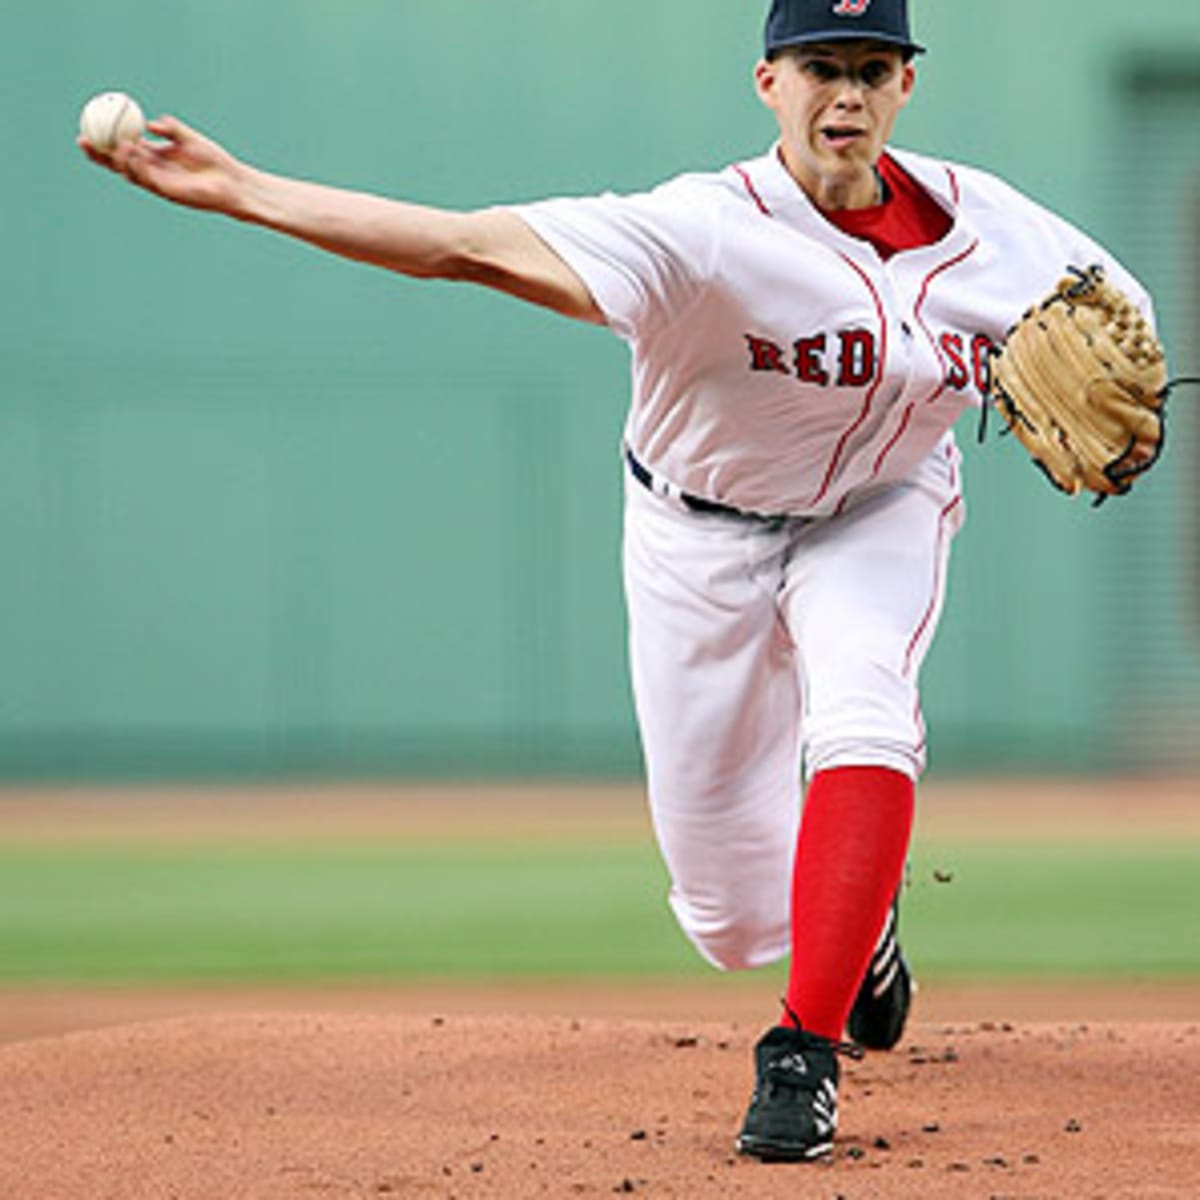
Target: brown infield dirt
290, 1105
999, 1092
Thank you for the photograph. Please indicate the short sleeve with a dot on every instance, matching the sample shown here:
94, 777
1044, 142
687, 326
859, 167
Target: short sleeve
643, 257
1061, 244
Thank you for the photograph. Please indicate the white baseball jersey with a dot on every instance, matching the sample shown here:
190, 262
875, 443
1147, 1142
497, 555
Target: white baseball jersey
782, 367
779, 365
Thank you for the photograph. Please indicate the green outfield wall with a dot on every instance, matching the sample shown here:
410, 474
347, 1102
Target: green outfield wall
263, 512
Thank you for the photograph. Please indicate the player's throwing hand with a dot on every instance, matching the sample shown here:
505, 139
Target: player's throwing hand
184, 166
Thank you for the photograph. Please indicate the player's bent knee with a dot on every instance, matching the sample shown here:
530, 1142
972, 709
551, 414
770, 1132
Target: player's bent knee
871, 721
905, 757
731, 941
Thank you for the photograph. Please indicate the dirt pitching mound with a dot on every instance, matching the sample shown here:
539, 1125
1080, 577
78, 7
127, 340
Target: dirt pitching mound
456, 1106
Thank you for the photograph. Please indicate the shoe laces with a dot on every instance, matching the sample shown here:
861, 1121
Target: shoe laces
846, 1049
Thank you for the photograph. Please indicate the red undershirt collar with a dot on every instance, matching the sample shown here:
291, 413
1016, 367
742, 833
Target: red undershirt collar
908, 218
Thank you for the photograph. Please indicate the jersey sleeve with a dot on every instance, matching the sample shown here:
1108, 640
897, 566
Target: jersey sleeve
643, 257
1059, 243
1083, 251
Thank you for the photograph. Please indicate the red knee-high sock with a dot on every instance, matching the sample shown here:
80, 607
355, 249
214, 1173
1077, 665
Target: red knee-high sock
849, 862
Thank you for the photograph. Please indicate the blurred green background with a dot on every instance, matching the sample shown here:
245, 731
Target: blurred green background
265, 513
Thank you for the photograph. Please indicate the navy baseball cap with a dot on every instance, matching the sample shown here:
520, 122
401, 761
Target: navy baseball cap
798, 22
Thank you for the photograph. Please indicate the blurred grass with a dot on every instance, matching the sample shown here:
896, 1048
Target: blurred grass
1107, 909
369, 912
381, 912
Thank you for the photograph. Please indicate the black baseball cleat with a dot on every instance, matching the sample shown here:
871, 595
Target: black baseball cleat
793, 1112
881, 1007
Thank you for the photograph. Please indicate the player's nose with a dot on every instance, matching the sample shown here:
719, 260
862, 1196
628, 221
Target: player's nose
849, 93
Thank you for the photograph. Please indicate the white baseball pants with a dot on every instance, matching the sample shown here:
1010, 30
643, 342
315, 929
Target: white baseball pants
760, 653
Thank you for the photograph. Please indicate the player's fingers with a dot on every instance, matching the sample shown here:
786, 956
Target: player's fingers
171, 128
121, 155
134, 160
101, 160
117, 159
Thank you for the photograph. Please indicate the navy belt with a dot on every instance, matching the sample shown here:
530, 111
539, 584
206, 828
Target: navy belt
696, 504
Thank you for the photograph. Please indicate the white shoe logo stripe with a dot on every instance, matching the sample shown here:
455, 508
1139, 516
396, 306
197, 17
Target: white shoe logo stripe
886, 982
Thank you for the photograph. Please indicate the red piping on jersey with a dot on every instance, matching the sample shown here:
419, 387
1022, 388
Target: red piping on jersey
762, 208
937, 583
866, 408
894, 440
955, 192
941, 357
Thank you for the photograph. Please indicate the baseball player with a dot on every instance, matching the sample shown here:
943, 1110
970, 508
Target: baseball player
805, 328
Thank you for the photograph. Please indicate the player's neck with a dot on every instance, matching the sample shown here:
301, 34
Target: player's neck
832, 193
836, 195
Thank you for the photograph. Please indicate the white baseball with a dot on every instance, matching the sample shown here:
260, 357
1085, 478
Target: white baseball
109, 119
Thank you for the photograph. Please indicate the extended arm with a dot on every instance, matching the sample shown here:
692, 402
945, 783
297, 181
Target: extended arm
489, 247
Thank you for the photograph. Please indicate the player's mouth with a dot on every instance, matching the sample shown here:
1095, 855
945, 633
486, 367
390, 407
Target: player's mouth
840, 136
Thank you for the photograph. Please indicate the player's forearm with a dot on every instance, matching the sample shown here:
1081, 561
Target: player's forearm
491, 247
414, 240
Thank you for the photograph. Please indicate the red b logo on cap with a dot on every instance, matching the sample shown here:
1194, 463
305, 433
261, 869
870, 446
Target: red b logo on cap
851, 8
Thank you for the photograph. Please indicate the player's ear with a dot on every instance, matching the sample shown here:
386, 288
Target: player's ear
765, 78
908, 81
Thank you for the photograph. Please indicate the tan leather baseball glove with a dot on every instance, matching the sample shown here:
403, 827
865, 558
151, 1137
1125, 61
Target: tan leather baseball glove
1081, 379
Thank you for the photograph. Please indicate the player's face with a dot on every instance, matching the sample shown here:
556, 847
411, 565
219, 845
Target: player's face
836, 104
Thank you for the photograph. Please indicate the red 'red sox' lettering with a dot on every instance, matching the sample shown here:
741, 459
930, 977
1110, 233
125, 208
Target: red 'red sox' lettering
856, 362
857, 357
765, 355
957, 375
981, 361
966, 359
808, 360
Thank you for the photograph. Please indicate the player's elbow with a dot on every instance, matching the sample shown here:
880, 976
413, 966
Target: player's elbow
473, 250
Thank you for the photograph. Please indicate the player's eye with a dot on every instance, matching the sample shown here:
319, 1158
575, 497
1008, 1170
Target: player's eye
822, 71
875, 73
